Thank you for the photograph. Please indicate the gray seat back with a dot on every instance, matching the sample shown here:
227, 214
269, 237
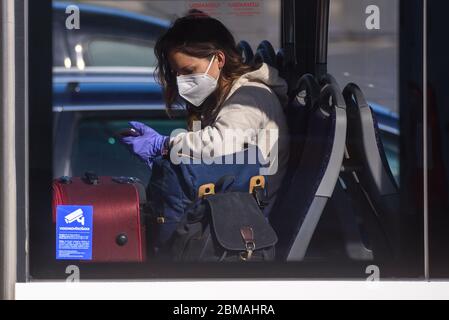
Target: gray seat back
377, 195
313, 182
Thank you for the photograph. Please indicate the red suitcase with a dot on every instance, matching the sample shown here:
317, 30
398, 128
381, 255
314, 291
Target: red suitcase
118, 225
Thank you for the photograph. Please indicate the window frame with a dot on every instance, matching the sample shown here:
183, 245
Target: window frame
40, 153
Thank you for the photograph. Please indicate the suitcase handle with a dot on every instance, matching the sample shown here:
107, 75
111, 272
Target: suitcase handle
126, 180
91, 178
65, 180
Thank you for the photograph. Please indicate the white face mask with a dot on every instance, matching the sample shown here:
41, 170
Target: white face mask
195, 88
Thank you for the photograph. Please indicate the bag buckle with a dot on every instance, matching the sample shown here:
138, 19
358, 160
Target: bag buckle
250, 244
257, 181
206, 190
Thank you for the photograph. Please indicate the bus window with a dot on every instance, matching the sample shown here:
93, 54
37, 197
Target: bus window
341, 210
369, 57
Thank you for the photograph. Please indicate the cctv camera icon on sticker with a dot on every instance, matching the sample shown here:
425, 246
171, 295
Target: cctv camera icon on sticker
76, 215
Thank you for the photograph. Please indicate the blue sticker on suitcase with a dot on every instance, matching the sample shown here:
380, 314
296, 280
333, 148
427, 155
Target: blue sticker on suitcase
74, 226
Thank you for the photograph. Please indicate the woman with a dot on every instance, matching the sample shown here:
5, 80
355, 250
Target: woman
198, 60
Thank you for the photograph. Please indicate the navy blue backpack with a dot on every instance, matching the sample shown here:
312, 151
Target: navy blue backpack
173, 189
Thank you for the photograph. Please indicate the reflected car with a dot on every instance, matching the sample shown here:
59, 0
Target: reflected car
103, 77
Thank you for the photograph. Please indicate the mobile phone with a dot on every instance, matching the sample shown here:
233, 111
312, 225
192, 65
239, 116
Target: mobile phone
130, 132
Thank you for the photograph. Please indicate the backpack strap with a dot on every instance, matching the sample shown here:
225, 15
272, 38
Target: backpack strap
257, 189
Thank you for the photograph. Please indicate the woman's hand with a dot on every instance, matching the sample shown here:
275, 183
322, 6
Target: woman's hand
148, 145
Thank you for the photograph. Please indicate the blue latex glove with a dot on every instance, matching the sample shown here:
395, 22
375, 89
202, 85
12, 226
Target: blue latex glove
148, 145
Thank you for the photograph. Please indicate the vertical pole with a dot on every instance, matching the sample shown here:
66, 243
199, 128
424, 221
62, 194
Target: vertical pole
8, 231
288, 28
425, 148
323, 7
288, 22
311, 36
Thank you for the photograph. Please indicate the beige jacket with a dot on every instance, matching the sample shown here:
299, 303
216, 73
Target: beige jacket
254, 112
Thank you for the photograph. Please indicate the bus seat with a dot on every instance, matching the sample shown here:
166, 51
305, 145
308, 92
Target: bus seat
265, 53
344, 208
356, 245
281, 61
299, 209
374, 188
304, 99
246, 51
284, 63
328, 79
302, 102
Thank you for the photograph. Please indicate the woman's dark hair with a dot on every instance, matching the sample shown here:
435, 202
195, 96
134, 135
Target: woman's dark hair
200, 36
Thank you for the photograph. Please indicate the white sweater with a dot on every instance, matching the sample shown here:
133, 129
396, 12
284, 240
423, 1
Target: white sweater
254, 111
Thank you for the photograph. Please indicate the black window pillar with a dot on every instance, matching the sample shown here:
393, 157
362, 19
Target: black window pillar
311, 36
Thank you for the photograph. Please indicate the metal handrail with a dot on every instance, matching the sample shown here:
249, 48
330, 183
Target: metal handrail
8, 205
